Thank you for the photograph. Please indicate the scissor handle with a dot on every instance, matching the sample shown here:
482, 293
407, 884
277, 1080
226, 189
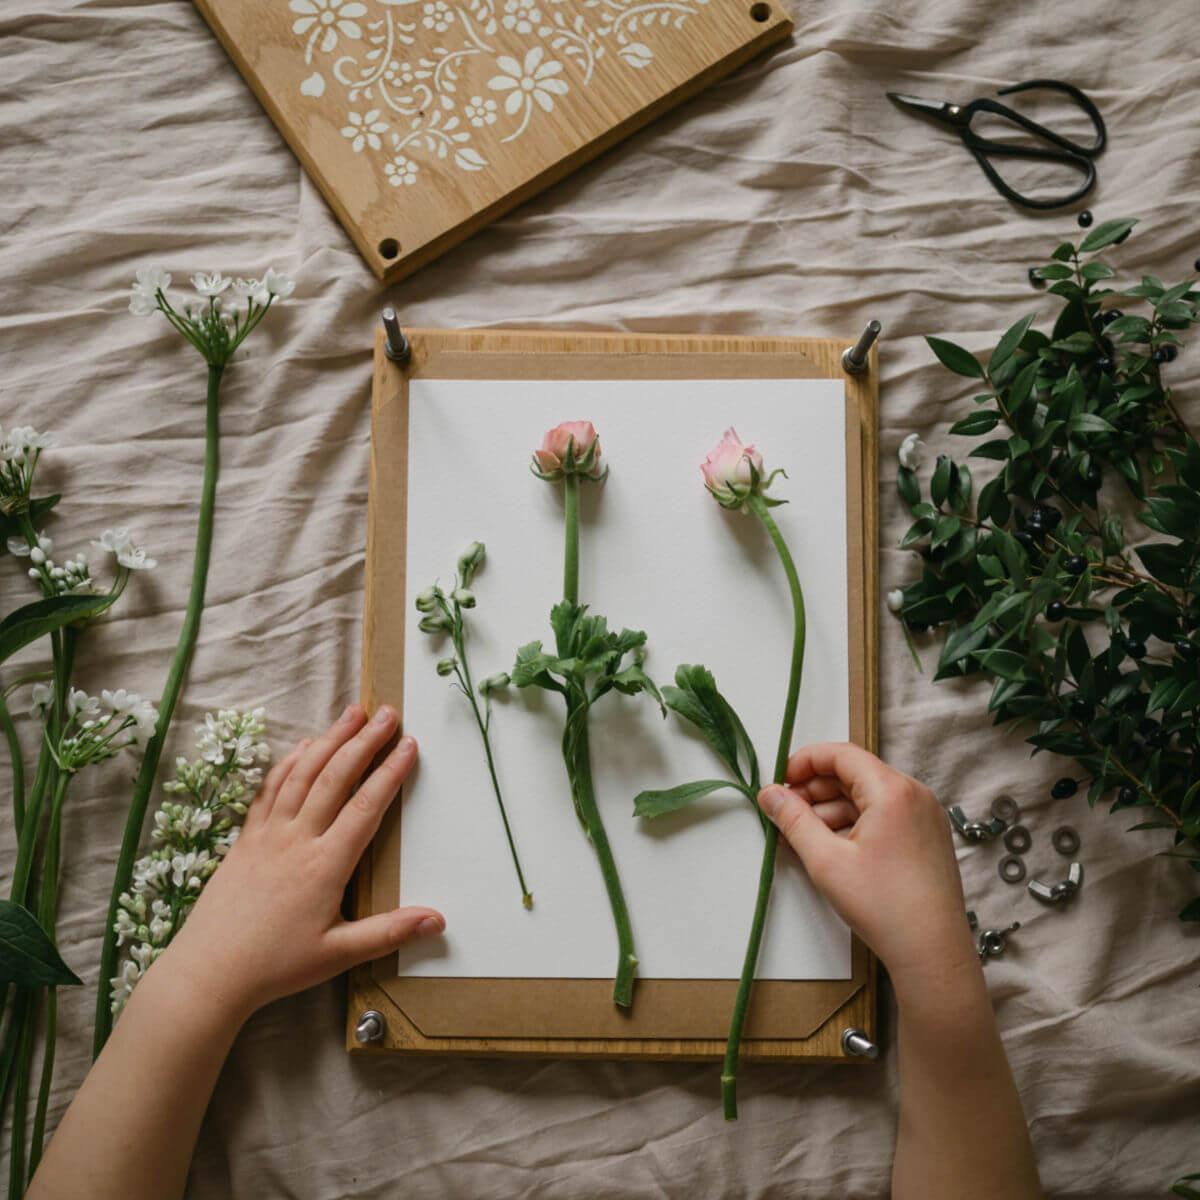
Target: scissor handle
1083, 165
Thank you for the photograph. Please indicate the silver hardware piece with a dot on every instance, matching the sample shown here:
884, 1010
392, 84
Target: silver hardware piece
1012, 868
992, 942
972, 919
370, 1027
397, 347
1059, 893
854, 360
1017, 840
974, 831
1005, 809
1065, 840
857, 1044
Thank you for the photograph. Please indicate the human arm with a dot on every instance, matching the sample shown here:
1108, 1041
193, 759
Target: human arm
267, 924
878, 846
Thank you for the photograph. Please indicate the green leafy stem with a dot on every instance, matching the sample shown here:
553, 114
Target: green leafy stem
698, 701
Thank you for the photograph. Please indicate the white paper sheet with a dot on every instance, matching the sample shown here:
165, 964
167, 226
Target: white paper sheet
657, 554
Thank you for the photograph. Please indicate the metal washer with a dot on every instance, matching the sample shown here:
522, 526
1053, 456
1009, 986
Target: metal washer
1012, 868
1018, 840
1065, 840
1005, 807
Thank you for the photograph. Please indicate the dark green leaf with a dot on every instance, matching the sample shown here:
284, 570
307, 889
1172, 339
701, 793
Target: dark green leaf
42, 617
960, 361
1106, 233
27, 955
908, 486
976, 423
1010, 341
656, 804
1086, 422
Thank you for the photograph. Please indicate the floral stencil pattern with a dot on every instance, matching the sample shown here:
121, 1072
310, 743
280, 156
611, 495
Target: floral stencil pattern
421, 78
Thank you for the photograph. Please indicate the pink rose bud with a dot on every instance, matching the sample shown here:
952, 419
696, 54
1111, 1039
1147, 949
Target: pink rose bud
733, 471
572, 448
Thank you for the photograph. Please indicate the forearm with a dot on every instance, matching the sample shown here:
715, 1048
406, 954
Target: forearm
130, 1131
962, 1131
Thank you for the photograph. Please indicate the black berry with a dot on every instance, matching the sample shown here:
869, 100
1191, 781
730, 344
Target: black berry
1025, 538
1135, 649
1196, 265
1113, 314
1166, 354
1035, 279
1064, 788
1055, 610
1104, 364
1085, 218
1082, 709
1050, 517
1127, 796
1093, 476
1075, 565
1185, 648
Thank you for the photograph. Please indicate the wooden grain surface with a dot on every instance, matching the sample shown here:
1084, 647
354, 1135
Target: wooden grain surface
787, 1019
423, 120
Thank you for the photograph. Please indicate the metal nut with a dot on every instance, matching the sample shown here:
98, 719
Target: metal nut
974, 831
858, 1045
992, 942
1065, 840
370, 1027
1012, 868
1059, 893
1017, 840
1005, 808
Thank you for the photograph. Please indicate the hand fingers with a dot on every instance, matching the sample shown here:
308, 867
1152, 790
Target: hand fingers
356, 824
863, 776
837, 814
355, 942
312, 761
337, 779
260, 806
800, 827
821, 789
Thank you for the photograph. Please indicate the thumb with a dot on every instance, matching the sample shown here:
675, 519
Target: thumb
799, 826
373, 937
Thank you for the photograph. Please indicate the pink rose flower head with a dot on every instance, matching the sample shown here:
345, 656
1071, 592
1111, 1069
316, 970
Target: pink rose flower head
732, 472
572, 448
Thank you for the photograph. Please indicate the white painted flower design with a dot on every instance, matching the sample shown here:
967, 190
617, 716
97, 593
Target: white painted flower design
521, 15
323, 20
364, 129
400, 171
527, 83
399, 74
481, 111
438, 16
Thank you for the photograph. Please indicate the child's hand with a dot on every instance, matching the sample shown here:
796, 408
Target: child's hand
877, 844
268, 922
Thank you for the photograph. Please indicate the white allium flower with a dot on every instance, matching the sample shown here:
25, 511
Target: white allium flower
277, 284
210, 283
113, 540
149, 282
895, 600
18, 546
911, 452
80, 704
134, 558
40, 699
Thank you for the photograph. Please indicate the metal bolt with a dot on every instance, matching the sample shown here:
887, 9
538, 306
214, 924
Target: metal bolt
370, 1027
856, 1043
397, 346
854, 360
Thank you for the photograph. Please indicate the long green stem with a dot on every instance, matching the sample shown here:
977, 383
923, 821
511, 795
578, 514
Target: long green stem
16, 762
579, 770
771, 841
166, 706
571, 548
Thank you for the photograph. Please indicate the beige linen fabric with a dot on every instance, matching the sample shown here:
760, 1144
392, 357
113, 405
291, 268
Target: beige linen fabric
790, 199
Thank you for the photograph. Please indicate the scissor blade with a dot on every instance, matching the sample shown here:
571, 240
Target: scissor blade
940, 110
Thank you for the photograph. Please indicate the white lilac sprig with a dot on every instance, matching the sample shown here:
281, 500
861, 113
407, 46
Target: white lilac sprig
192, 832
20, 449
443, 613
74, 575
223, 314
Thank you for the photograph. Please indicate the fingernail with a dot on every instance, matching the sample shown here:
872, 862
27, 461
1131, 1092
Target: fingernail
384, 715
771, 799
428, 927
349, 714
406, 745
304, 745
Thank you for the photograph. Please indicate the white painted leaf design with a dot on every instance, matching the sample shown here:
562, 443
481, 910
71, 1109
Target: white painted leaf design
637, 55
469, 159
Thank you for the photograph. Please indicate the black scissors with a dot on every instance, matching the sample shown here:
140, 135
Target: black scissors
1057, 149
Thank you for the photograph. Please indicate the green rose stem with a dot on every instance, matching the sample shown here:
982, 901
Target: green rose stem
578, 760
166, 706
766, 875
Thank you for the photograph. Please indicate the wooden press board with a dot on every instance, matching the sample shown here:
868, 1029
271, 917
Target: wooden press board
423, 120
671, 1018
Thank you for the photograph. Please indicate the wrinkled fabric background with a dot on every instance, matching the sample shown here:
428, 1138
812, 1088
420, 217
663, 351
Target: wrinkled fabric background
790, 199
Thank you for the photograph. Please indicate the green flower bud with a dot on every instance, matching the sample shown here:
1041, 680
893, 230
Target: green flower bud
494, 683
427, 600
463, 598
470, 561
447, 666
433, 624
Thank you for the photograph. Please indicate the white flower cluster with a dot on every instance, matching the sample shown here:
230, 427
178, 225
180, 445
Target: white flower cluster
20, 449
97, 727
191, 835
151, 282
75, 574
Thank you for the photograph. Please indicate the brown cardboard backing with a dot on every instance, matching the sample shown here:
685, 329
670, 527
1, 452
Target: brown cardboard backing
576, 1017
412, 78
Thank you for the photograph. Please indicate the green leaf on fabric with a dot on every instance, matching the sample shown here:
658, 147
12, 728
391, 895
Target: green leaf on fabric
43, 617
27, 956
1106, 233
960, 361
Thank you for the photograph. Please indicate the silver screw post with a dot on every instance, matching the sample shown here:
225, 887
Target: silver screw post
397, 346
857, 1044
854, 360
370, 1027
